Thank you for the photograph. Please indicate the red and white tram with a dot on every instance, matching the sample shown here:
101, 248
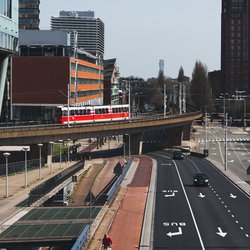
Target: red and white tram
91, 114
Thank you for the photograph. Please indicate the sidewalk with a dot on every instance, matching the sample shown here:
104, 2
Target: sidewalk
18, 192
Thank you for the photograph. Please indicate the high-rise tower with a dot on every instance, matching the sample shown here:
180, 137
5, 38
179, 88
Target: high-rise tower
29, 14
235, 46
90, 30
161, 65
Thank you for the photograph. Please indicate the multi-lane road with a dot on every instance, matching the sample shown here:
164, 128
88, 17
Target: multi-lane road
238, 147
191, 217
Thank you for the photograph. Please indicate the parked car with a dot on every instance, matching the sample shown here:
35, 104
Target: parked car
200, 179
178, 155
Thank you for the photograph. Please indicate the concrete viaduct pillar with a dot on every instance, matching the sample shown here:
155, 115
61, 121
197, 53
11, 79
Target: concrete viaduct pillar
133, 143
186, 132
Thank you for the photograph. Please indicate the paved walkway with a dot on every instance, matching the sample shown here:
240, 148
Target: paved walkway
18, 192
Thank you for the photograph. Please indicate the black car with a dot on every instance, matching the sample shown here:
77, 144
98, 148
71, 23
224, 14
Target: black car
178, 155
200, 179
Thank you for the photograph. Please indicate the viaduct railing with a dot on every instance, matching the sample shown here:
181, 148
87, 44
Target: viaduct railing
21, 135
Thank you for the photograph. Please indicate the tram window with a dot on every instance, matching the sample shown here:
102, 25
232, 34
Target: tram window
76, 112
88, 111
84, 112
80, 112
72, 112
106, 110
64, 113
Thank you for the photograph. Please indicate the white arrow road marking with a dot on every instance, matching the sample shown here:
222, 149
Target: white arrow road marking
170, 195
233, 196
170, 234
230, 161
202, 195
221, 233
166, 164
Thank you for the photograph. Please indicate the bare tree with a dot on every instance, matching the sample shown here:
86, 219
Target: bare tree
201, 87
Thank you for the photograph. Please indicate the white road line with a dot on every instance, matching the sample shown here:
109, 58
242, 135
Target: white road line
190, 208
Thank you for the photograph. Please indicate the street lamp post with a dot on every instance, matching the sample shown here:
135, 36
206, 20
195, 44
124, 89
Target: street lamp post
124, 150
225, 140
68, 149
25, 166
60, 152
40, 160
6, 155
129, 101
68, 103
180, 97
206, 129
164, 100
129, 146
225, 130
51, 153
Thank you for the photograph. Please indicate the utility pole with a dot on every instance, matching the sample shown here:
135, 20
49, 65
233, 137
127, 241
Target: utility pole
225, 131
76, 66
164, 98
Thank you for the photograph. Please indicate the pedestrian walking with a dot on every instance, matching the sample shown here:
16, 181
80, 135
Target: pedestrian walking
107, 242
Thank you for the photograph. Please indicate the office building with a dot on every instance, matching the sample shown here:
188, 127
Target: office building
29, 14
8, 45
48, 73
89, 30
235, 46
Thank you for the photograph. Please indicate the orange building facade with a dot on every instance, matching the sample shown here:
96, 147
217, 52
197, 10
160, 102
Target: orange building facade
41, 83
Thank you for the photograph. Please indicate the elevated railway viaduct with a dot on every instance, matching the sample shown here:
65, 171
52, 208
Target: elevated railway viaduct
147, 133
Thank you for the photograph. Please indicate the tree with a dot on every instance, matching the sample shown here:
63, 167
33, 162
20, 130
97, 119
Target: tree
201, 89
181, 76
157, 92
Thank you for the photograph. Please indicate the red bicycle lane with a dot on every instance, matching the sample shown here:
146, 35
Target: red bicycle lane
127, 225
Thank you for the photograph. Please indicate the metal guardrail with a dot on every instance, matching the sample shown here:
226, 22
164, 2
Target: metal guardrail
39, 191
81, 239
113, 189
63, 126
19, 167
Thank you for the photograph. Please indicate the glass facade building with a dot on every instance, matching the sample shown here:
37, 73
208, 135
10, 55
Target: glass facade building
9, 25
8, 45
29, 14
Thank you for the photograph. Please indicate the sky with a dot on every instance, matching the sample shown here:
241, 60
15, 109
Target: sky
138, 33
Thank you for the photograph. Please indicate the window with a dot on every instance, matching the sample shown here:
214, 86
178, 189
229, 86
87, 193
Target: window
6, 8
